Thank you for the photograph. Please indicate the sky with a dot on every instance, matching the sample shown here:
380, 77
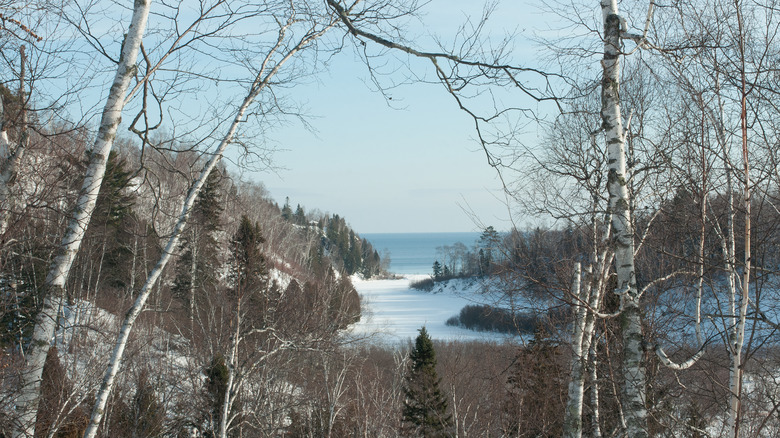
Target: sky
406, 165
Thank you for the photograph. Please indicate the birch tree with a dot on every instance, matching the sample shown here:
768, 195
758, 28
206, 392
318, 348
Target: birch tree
634, 381
45, 322
728, 80
10, 156
286, 47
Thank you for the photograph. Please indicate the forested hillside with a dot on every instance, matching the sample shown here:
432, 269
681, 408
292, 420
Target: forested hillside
247, 286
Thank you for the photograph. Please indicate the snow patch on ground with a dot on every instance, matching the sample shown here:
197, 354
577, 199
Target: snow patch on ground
280, 277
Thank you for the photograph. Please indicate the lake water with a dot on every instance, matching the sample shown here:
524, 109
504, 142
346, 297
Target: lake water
414, 253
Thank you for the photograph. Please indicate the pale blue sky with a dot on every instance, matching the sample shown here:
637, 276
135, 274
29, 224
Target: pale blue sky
413, 169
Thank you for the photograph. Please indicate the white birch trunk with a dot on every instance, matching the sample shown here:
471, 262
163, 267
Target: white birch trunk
10, 161
262, 79
572, 423
594, 394
45, 322
193, 273
228, 399
735, 373
590, 300
634, 377
736, 321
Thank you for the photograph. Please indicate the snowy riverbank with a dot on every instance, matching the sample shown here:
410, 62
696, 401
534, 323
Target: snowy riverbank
395, 312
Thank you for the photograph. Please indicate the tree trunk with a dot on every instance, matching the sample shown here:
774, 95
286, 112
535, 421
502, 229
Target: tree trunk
45, 321
262, 79
10, 161
229, 393
735, 384
572, 423
622, 229
193, 275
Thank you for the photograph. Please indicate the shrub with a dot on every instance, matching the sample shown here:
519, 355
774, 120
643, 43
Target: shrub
483, 317
425, 284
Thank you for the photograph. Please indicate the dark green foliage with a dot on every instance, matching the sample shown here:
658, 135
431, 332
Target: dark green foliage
287, 213
21, 282
248, 274
198, 264
356, 255
372, 262
343, 304
300, 217
114, 204
248, 270
12, 106
488, 242
437, 272
425, 405
482, 317
216, 384
112, 224
208, 208
317, 260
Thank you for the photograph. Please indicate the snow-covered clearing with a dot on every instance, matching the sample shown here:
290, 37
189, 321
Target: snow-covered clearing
394, 312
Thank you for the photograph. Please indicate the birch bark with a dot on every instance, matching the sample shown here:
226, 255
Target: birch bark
45, 322
229, 392
10, 161
738, 340
634, 378
266, 72
572, 422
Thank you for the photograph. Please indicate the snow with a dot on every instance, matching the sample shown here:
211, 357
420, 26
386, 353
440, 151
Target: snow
393, 312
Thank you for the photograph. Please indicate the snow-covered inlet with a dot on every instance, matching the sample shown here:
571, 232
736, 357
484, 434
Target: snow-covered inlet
393, 312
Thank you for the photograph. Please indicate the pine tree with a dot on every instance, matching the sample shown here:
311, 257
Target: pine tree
112, 224
425, 407
437, 270
287, 213
216, 384
249, 273
197, 267
300, 216
488, 241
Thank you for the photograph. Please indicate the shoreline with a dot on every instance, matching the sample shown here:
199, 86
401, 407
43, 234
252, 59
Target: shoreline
392, 311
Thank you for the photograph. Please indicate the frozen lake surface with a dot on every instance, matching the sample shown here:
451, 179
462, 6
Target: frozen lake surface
396, 312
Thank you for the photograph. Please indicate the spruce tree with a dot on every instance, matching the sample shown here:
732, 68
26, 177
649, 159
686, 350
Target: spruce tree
110, 235
199, 263
437, 270
287, 213
425, 407
300, 216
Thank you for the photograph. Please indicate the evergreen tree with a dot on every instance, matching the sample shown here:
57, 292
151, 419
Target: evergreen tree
300, 216
216, 384
488, 241
248, 273
287, 213
425, 407
353, 255
197, 267
437, 270
112, 225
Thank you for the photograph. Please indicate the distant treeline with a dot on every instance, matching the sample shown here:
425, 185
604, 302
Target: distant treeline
338, 241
